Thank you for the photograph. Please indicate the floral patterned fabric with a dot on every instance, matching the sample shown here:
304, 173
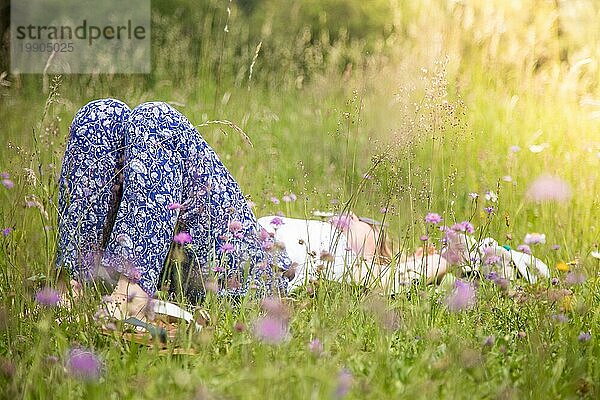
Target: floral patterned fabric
132, 180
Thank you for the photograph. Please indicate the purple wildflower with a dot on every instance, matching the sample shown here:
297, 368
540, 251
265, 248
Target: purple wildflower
235, 226
489, 210
218, 269
84, 364
4, 175
277, 221
264, 234
174, 206
6, 231
489, 341
433, 218
182, 238
555, 247
227, 247
467, 227
462, 297
492, 276
8, 183
383, 210
424, 238
503, 283
524, 248
286, 199
514, 149
316, 347
271, 330
47, 297
584, 336
132, 272
274, 200
455, 249
458, 227
344, 383
554, 281
493, 260
473, 195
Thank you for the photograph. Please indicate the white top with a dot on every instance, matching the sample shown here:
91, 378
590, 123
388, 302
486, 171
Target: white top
311, 244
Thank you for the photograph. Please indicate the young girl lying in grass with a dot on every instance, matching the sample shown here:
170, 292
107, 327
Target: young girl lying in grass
138, 184
347, 248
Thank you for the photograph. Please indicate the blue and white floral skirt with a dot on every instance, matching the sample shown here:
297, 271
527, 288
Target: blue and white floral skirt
141, 192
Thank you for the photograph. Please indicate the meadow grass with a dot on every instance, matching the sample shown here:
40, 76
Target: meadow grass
429, 116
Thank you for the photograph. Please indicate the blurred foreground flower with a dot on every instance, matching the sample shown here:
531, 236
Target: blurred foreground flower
595, 254
84, 364
271, 330
455, 251
575, 278
316, 347
8, 183
548, 188
535, 238
47, 297
289, 198
462, 297
344, 383
274, 307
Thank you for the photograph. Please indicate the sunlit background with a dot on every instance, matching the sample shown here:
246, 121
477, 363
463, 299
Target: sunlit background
392, 108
